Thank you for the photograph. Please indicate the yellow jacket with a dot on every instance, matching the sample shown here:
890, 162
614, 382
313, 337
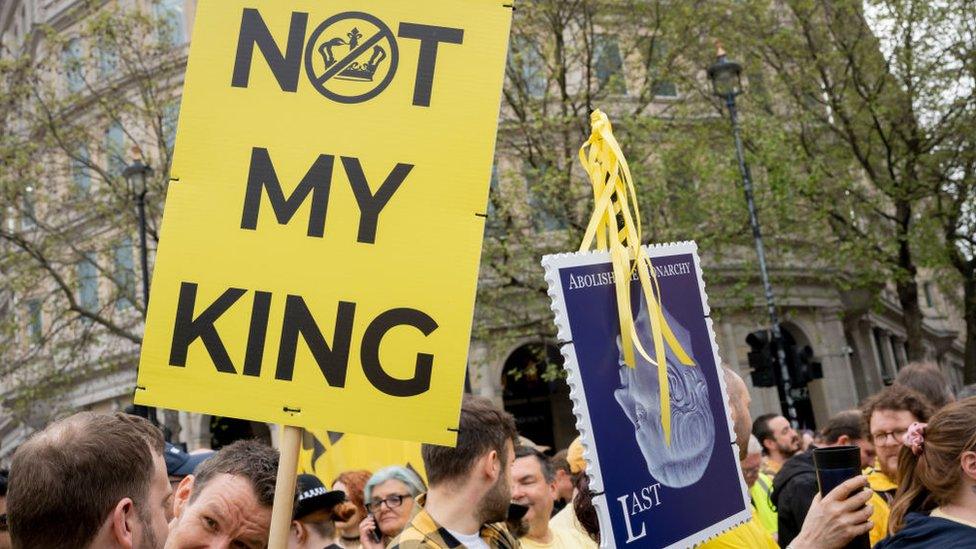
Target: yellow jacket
879, 517
765, 510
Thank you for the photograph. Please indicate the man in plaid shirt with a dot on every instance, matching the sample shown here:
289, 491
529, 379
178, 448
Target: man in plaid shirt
469, 493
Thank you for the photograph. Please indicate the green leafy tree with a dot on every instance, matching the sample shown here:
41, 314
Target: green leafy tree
78, 107
872, 104
640, 62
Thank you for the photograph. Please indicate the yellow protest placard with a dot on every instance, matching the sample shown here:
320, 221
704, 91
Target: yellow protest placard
328, 454
322, 233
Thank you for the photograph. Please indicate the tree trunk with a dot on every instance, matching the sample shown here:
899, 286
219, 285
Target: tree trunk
969, 313
907, 287
912, 318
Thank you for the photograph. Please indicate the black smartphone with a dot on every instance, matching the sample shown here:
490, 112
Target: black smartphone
375, 535
834, 466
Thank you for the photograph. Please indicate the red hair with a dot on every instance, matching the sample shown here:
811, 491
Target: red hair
355, 482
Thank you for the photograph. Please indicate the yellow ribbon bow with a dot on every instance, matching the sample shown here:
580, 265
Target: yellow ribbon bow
615, 225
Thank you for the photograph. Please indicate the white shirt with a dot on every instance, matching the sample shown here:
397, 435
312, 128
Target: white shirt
471, 541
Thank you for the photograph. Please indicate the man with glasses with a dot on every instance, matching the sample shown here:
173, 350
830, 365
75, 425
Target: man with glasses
886, 417
796, 485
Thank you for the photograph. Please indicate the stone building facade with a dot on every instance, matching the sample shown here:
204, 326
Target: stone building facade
859, 345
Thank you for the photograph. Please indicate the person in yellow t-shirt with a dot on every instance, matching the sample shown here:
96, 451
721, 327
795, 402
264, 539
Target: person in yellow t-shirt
749, 535
534, 486
566, 519
566, 523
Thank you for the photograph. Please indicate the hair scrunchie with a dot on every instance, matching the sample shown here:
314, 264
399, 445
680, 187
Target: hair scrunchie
915, 437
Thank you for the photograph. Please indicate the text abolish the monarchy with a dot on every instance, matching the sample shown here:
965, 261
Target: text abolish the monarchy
607, 278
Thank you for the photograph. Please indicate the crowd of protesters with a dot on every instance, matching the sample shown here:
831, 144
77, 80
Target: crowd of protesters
107, 481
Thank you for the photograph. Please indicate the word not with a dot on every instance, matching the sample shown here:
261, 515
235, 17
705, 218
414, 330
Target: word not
298, 321
317, 183
286, 64
639, 505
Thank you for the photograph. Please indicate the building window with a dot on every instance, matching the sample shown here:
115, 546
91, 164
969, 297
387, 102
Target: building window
115, 149
544, 218
897, 351
493, 225
108, 61
28, 218
73, 65
880, 355
927, 289
79, 171
608, 64
171, 116
531, 67
87, 284
655, 53
172, 29
125, 274
35, 321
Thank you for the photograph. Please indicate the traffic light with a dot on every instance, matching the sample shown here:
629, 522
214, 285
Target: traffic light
762, 359
801, 366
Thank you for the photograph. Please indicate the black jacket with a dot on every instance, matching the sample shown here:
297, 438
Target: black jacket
925, 531
794, 488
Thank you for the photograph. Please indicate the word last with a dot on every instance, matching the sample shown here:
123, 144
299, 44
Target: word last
635, 504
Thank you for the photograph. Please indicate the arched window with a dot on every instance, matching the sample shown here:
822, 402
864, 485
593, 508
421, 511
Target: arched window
535, 392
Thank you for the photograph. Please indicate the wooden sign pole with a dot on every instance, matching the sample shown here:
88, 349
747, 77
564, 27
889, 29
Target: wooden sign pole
284, 500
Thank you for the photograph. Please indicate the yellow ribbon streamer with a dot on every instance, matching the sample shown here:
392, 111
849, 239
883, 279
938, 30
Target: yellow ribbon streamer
615, 226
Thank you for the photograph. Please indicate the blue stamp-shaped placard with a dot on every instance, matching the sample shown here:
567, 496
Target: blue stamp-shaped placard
652, 495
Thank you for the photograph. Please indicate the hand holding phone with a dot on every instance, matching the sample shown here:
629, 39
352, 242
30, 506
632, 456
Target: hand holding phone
369, 532
836, 465
374, 533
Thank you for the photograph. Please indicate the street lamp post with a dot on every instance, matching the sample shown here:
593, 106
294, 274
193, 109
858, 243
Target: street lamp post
726, 78
136, 178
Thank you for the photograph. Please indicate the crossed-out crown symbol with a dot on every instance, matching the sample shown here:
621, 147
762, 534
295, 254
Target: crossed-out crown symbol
356, 71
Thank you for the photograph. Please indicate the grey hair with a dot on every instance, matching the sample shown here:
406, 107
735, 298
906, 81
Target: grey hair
394, 472
754, 446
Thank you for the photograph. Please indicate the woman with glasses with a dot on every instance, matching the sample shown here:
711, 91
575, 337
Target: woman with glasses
389, 496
